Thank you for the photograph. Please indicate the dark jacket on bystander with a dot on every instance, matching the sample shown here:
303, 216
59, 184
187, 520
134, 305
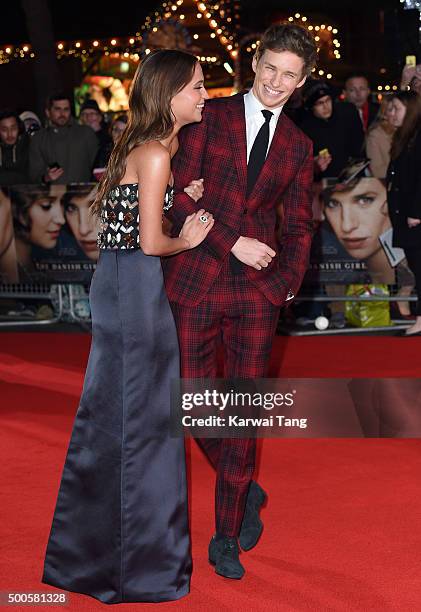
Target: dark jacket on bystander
14, 162
404, 194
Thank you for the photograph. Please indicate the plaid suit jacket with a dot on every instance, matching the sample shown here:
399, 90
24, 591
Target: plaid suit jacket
277, 212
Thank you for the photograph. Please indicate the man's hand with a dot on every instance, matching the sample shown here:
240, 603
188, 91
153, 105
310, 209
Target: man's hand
408, 74
321, 162
252, 252
53, 174
412, 222
195, 189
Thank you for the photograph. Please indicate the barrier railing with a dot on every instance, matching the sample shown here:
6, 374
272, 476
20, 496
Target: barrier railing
30, 291
396, 325
55, 293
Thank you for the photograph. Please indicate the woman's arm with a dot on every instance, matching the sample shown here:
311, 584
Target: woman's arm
152, 164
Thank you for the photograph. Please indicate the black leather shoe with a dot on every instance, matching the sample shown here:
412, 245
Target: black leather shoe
224, 555
252, 526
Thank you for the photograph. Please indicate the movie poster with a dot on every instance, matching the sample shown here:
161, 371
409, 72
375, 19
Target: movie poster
48, 234
54, 231
353, 238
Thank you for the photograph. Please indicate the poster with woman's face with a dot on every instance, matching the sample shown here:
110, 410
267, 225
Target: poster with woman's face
55, 233
348, 246
80, 222
8, 260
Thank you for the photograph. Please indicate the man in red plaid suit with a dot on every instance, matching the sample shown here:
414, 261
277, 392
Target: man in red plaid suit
257, 171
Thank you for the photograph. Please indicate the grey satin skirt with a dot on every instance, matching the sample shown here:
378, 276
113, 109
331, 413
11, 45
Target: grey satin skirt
120, 527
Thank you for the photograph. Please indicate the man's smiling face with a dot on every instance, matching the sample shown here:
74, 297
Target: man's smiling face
277, 74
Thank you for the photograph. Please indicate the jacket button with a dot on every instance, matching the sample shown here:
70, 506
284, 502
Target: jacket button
245, 211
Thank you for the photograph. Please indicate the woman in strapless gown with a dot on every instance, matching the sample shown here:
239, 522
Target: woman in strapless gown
120, 527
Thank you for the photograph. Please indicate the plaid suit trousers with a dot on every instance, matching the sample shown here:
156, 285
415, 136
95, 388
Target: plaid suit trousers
238, 313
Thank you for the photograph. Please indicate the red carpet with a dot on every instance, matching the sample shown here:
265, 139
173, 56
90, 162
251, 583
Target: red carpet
342, 523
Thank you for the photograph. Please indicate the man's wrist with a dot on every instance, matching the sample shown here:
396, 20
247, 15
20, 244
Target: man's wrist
235, 244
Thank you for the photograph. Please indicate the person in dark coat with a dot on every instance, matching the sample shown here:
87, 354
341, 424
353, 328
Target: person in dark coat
334, 128
404, 186
64, 151
117, 127
14, 147
357, 91
91, 115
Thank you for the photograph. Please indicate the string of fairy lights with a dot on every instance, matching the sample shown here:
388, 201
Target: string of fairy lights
324, 35
125, 47
222, 18
328, 35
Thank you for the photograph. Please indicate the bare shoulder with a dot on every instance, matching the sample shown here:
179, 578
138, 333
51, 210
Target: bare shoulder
150, 157
149, 153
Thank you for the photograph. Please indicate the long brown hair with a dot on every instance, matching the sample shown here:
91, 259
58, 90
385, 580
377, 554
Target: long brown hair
407, 132
381, 119
157, 80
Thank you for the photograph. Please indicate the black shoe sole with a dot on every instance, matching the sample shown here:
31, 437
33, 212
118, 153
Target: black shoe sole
229, 577
223, 575
213, 562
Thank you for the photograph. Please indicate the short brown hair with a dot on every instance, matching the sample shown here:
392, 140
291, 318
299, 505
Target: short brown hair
293, 38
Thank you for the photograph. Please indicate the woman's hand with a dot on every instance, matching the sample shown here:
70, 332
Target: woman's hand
195, 189
412, 222
194, 230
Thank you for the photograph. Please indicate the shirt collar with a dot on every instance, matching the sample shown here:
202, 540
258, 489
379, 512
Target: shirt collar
254, 107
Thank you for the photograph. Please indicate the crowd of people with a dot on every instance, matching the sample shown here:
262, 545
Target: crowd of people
70, 150
75, 150
387, 136
343, 124
66, 150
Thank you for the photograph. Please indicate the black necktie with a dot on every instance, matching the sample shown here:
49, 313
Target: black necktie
256, 160
258, 152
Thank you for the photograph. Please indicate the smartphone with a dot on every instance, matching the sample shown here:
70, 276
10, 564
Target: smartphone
411, 60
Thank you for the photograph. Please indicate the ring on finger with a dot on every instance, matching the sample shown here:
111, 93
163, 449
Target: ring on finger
204, 218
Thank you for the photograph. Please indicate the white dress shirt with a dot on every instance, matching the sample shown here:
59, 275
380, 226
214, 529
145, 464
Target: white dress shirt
255, 119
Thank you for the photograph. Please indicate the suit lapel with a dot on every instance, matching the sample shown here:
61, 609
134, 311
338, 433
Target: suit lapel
279, 144
237, 133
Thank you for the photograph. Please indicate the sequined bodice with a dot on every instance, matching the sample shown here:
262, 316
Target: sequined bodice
119, 219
